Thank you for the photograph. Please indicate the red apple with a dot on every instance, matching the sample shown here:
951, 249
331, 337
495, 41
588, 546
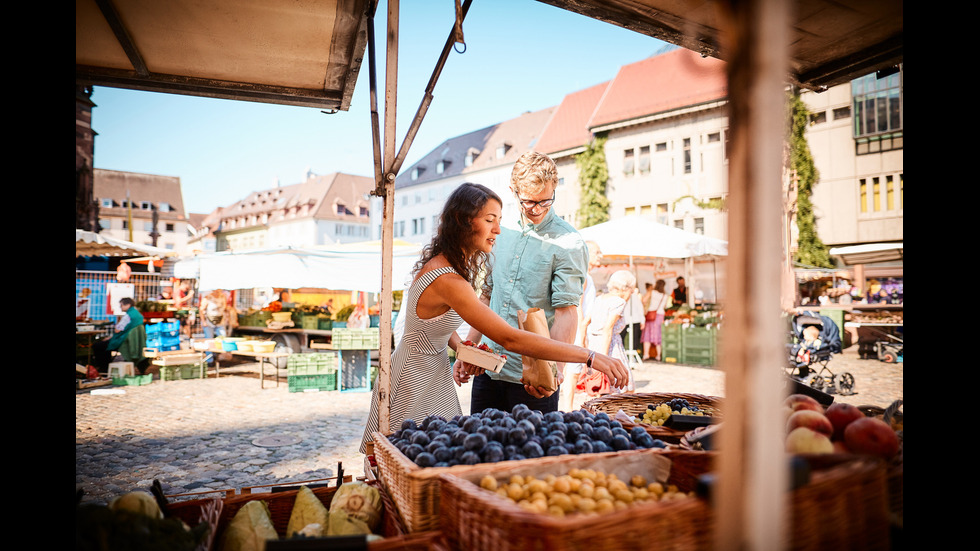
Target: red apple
797, 402
842, 414
804, 440
813, 420
871, 436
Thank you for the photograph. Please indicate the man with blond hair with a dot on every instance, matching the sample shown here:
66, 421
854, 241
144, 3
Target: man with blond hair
540, 261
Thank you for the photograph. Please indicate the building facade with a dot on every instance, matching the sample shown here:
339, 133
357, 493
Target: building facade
147, 209
323, 210
857, 142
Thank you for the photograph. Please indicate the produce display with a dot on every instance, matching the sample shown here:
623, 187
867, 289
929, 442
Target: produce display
134, 521
659, 413
581, 491
355, 509
495, 435
841, 428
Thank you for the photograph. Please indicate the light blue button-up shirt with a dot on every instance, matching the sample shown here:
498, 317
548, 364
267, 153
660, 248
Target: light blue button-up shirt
535, 266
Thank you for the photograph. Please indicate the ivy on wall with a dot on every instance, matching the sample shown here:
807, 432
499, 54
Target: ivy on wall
810, 251
593, 174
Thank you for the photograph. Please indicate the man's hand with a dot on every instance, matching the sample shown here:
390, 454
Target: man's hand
540, 391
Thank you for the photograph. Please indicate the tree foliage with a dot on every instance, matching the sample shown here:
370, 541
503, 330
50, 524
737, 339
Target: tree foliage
810, 251
593, 174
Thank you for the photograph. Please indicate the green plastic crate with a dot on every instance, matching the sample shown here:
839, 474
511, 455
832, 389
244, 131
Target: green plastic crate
324, 324
181, 372
311, 322
136, 380
356, 339
312, 383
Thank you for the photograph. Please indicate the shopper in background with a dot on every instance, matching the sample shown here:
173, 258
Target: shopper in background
634, 314
573, 370
653, 331
604, 327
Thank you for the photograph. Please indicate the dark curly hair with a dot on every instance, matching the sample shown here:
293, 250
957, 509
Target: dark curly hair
455, 228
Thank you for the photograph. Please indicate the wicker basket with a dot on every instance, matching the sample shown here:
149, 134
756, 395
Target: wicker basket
415, 490
194, 512
479, 520
843, 507
635, 404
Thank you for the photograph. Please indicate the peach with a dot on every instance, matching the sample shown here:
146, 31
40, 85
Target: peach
797, 402
842, 414
804, 440
871, 436
813, 420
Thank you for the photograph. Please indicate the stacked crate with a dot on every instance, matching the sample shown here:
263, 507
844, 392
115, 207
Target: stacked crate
312, 372
163, 336
356, 339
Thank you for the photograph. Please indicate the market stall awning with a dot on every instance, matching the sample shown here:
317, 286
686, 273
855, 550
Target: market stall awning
637, 236
869, 253
93, 244
305, 52
354, 267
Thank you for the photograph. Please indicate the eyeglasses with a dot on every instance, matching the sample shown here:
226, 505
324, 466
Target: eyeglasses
531, 205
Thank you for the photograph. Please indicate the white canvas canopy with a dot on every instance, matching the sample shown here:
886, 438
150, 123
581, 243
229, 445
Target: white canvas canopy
638, 236
354, 267
93, 244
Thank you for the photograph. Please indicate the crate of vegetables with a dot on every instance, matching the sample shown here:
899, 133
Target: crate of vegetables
411, 459
623, 501
652, 411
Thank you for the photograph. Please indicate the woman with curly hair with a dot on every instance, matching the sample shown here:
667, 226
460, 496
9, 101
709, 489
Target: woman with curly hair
443, 293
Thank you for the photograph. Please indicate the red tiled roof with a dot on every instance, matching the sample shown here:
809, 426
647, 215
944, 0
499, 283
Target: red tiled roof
675, 79
568, 127
519, 134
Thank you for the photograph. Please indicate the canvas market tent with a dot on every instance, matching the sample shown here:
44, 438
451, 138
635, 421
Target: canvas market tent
93, 244
354, 267
637, 236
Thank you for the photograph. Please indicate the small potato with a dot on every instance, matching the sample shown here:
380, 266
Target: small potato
638, 481
488, 483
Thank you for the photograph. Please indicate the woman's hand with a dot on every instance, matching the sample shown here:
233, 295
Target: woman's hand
614, 369
462, 372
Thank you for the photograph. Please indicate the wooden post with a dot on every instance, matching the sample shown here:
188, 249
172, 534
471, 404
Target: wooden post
387, 227
750, 508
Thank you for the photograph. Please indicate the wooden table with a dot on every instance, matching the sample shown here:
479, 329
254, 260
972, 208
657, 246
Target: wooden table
261, 356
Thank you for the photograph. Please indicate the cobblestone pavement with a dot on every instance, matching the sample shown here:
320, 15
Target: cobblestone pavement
215, 434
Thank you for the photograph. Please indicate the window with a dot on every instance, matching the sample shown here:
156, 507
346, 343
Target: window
470, 157
842, 113
877, 102
105, 203
644, 159
687, 155
817, 118
679, 224
699, 226
561, 181
416, 172
164, 207
404, 200
502, 150
146, 205
880, 194
714, 137
662, 146
441, 166
418, 198
421, 225
628, 162
363, 211
401, 229
415, 226
105, 223
147, 226
662, 212
646, 209
630, 211
170, 228
338, 229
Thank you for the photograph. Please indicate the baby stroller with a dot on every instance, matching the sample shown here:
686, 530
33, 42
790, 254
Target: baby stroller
809, 357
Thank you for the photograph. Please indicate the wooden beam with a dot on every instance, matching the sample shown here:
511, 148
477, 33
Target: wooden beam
753, 474
122, 36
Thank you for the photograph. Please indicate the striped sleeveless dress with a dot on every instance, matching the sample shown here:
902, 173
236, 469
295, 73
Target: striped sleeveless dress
421, 376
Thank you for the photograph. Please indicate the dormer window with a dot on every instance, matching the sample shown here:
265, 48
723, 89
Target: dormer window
441, 166
502, 150
165, 207
471, 155
105, 203
416, 172
146, 205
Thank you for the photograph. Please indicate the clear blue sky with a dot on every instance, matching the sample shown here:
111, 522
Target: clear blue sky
521, 55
